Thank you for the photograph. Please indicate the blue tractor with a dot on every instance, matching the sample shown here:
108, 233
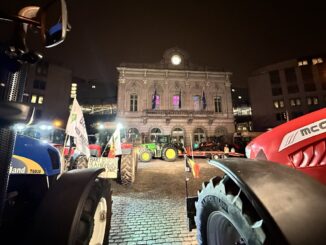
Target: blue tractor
39, 203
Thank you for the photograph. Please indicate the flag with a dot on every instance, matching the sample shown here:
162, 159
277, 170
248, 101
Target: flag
180, 99
76, 128
204, 100
115, 144
154, 100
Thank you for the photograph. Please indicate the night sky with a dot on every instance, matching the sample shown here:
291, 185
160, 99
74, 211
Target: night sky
238, 37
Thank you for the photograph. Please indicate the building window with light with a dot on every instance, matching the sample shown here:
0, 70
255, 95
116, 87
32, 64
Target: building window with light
316, 61
154, 133
295, 102
33, 98
199, 135
176, 102
40, 100
218, 104
157, 102
133, 135
133, 102
73, 90
312, 101
278, 104
196, 101
37, 99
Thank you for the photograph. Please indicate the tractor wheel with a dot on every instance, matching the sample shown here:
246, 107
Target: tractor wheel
169, 153
145, 155
127, 169
215, 157
95, 222
225, 216
80, 162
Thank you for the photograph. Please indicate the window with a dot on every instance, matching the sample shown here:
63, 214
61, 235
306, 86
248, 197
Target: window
312, 100
38, 113
39, 84
42, 69
295, 102
322, 75
196, 100
275, 77
73, 90
281, 117
291, 80
37, 99
133, 102
133, 134
40, 100
33, 99
177, 135
295, 114
316, 61
308, 80
302, 62
176, 102
278, 104
157, 102
218, 104
154, 133
199, 135
277, 91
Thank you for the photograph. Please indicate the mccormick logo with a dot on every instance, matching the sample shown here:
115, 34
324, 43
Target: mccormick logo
303, 133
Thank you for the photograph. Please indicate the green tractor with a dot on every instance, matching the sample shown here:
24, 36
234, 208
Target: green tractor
161, 147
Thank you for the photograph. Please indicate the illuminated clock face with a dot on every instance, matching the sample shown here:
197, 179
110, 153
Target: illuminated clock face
176, 59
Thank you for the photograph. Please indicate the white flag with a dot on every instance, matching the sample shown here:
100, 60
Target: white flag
76, 128
115, 143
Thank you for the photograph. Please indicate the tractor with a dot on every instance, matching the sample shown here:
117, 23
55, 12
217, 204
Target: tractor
47, 133
271, 197
39, 203
161, 147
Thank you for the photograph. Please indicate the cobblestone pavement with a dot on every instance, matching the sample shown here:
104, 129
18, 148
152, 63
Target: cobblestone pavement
141, 221
152, 210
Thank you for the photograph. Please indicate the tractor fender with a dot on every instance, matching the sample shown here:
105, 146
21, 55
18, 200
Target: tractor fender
62, 206
291, 204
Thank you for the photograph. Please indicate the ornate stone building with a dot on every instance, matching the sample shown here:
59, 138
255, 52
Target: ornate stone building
190, 101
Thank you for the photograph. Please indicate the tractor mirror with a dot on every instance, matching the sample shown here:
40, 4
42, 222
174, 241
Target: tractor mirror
54, 23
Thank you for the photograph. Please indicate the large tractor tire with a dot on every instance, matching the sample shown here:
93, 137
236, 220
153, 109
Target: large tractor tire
225, 216
145, 155
128, 169
95, 222
169, 154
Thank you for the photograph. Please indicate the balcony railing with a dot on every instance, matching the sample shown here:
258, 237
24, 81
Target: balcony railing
177, 113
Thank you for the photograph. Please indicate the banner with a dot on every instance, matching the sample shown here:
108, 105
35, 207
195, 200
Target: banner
154, 100
76, 128
110, 165
115, 143
204, 100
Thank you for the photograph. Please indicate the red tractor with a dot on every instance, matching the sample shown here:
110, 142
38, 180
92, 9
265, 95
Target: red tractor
264, 199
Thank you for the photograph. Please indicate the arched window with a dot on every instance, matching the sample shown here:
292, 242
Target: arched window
154, 132
177, 135
133, 135
199, 135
